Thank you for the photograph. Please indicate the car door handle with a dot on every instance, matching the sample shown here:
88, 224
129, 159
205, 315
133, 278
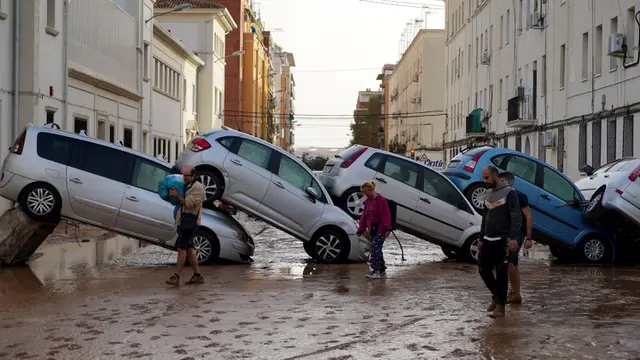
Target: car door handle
426, 200
382, 180
132, 198
545, 196
278, 184
76, 180
237, 162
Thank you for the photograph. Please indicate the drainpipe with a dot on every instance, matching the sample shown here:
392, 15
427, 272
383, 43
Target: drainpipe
16, 68
139, 70
65, 67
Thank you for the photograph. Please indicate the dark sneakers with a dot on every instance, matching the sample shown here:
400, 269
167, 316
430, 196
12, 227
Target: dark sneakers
196, 279
174, 280
492, 305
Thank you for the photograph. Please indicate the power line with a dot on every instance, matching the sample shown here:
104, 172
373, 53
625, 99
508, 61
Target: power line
334, 70
337, 116
405, 4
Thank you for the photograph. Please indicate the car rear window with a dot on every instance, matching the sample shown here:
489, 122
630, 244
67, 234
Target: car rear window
474, 151
348, 153
630, 165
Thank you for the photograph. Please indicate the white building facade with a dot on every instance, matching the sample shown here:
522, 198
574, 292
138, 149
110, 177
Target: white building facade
203, 31
416, 115
536, 76
173, 102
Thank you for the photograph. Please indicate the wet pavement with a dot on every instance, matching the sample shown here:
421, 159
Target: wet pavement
281, 307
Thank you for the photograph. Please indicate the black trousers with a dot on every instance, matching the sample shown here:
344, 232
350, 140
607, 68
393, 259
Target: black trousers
494, 255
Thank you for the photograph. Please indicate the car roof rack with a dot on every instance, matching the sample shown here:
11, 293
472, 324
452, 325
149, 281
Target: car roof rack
161, 157
118, 143
51, 126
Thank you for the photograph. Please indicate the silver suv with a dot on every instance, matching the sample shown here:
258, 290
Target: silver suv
429, 205
54, 174
269, 183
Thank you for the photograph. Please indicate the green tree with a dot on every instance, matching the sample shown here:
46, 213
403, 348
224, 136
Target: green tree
364, 130
315, 163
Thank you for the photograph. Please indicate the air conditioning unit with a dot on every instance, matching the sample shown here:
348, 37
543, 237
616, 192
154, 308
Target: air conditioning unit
485, 58
549, 139
616, 45
536, 20
414, 78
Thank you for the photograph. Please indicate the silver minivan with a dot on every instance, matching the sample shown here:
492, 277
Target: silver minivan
273, 185
54, 174
430, 206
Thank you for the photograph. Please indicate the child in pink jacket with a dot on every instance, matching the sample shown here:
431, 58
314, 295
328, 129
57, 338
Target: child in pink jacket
376, 219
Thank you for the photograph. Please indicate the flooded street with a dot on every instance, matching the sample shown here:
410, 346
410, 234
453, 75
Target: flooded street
75, 304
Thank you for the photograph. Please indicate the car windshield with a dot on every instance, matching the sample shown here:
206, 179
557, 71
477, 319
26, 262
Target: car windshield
606, 167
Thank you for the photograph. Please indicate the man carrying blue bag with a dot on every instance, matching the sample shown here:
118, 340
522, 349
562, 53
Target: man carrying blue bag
187, 221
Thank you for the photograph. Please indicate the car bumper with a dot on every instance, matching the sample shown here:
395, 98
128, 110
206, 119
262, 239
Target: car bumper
11, 184
613, 201
235, 249
332, 184
360, 248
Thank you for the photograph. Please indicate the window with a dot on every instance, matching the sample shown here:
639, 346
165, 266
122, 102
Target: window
469, 56
500, 95
79, 124
161, 147
611, 139
520, 14
145, 141
293, 173
184, 94
50, 116
227, 142
55, 148
254, 152
598, 51
401, 170
631, 33
177, 150
582, 145
128, 138
112, 133
501, 31
627, 136
437, 186
147, 61
147, 174
194, 97
563, 74
51, 14
374, 161
543, 89
585, 56
166, 80
102, 130
490, 40
613, 61
522, 168
596, 143
497, 161
107, 162
558, 185
507, 87
508, 32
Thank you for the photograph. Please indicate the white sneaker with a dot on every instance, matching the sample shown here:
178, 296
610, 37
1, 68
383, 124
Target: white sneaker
374, 275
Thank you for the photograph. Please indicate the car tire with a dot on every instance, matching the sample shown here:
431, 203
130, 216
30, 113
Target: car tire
207, 246
469, 252
561, 254
475, 195
595, 209
308, 248
41, 202
330, 247
213, 184
448, 252
595, 250
352, 202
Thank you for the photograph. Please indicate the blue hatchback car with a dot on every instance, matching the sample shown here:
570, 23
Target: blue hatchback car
554, 200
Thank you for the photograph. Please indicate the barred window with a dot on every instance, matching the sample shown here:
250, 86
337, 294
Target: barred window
560, 152
596, 143
627, 136
611, 140
582, 146
166, 79
518, 143
542, 152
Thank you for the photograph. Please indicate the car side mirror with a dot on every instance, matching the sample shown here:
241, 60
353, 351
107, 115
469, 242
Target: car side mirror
588, 169
312, 193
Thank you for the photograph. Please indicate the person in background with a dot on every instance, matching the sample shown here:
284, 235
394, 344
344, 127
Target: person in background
188, 219
526, 229
376, 220
498, 234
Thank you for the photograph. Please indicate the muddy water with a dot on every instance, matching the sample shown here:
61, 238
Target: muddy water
281, 307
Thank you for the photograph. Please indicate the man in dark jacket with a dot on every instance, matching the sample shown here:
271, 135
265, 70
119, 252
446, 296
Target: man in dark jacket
498, 234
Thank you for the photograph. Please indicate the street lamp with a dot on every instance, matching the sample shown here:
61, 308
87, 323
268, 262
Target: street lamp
175, 9
235, 53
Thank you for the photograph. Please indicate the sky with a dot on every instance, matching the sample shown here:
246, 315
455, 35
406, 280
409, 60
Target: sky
331, 35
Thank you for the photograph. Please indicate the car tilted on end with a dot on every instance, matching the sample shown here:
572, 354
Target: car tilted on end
54, 174
430, 207
273, 185
555, 202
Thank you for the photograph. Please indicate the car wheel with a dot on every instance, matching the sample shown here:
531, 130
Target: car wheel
475, 194
213, 184
470, 251
561, 254
595, 250
595, 209
207, 246
352, 202
330, 247
448, 252
41, 202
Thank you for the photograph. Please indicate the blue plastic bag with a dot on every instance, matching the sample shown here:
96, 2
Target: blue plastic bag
171, 181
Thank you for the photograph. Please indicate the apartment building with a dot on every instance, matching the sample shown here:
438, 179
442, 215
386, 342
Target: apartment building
384, 77
544, 77
284, 97
203, 30
174, 97
417, 119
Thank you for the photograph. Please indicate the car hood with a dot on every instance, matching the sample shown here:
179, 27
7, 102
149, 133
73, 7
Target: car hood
227, 218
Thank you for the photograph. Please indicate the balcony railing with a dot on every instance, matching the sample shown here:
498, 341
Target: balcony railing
521, 111
103, 40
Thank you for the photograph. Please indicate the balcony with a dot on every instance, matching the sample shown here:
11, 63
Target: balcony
474, 126
521, 112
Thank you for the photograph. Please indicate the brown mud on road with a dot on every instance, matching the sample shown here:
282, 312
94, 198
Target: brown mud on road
280, 307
